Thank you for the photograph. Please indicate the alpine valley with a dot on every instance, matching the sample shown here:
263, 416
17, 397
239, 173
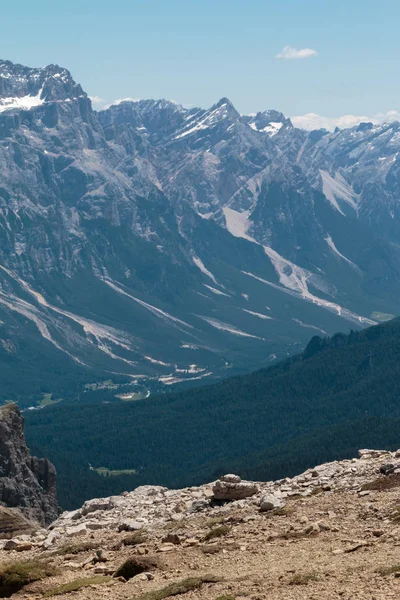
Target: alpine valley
150, 244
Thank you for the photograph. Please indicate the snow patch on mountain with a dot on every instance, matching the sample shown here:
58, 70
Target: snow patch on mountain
256, 314
337, 188
227, 327
309, 326
162, 314
200, 265
22, 103
272, 128
332, 246
207, 120
308, 296
237, 223
215, 291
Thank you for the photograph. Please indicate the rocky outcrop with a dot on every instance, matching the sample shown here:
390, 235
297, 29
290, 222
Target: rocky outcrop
231, 487
26, 482
331, 532
149, 507
13, 523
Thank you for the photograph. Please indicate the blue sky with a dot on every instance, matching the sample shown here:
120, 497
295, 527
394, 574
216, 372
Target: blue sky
196, 51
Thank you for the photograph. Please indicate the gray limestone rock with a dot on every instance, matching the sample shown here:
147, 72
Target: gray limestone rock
270, 502
26, 482
225, 490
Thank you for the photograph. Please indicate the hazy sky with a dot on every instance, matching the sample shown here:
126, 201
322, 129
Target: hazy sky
329, 57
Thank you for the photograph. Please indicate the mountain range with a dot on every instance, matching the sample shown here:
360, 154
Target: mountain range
149, 244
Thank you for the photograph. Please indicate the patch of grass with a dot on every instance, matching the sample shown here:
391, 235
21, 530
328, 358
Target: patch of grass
135, 538
388, 570
104, 472
15, 576
383, 483
175, 525
134, 565
381, 316
179, 587
47, 400
77, 548
8, 408
283, 512
226, 597
216, 532
303, 578
77, 584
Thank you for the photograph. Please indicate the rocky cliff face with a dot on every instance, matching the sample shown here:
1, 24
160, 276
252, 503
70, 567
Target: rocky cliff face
26, 482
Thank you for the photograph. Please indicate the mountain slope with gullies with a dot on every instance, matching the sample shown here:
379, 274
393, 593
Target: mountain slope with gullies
329, 532
148, 245
340, 394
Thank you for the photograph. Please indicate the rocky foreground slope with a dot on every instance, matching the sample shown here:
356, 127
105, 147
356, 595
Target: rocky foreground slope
331, 532
26, 482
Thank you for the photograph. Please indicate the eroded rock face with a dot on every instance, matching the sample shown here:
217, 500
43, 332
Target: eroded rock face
231, 487
13, 523
26, 482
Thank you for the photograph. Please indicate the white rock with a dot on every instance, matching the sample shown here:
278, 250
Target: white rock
51, 539
223, 490
270, 502
97, 504
75, 531
231, 478
130, 525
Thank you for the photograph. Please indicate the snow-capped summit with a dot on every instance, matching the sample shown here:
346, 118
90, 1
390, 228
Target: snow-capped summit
25, 88
269, 121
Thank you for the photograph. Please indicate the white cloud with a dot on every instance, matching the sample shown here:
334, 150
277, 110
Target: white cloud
96, 100
120, 100
312, 121
290, 53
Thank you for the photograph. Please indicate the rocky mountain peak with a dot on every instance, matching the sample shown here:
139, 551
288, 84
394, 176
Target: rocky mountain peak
24, 87
227, 108
269, 121
26, 482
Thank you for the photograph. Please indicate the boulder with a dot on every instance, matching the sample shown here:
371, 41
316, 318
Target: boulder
367, 453
233, 490
270, 502
76, 530
18, 545
231, 478
389, 468
198, 505
51, 539
130, 525
96, 504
